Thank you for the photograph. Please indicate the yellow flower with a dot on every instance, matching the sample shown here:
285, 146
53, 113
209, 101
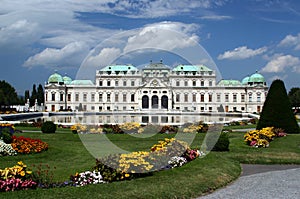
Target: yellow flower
127, 175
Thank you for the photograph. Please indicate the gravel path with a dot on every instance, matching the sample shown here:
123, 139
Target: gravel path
262, 182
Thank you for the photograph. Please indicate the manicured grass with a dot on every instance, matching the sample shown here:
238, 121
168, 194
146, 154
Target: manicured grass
68, 154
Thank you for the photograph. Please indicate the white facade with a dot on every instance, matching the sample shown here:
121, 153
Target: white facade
156, 87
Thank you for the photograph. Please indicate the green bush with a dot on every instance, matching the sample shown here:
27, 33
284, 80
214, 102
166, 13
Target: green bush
6, 136
48, 127
216, 141
222, 143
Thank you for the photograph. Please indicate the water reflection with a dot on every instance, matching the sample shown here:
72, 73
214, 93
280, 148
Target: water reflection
143, 119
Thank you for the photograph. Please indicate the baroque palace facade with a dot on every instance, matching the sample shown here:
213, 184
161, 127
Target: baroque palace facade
156, 87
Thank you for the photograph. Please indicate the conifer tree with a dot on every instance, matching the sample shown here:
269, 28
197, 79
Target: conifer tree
277, 110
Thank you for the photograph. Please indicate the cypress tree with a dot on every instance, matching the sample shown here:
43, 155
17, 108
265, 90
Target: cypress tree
277, 110
33, 95
40, 95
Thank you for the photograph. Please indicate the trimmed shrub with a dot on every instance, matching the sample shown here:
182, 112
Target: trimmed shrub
277, 110
222, 143
6, 136
48, 127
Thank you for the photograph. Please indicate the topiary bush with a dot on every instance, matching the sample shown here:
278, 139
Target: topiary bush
277, 110
216, 141
222, 143
48, 127
6, 136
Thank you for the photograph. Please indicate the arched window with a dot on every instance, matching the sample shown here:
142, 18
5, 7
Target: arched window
154, 102
145, 101
164, 102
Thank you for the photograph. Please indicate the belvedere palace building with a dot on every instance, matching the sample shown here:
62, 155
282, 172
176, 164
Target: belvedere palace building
156, 87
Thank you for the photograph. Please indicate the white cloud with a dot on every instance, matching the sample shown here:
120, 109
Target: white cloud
105, 57
242, 52
15, 33
164, 35
216, 17
158, 8
291, 40
280, 63
68, 56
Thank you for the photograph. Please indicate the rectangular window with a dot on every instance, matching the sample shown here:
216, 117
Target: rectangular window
210, 109
186, 97
242, 98
132, 83
84, 107
132, 97
202, 83
69, 97
108, 82
218, 98
77, 97
194, 97
210, 83
100, 97
258, 97
124, 98
116, 97
210, 97
84, 97
177, 83
53, 97
116, 83
234, 98
108, 97
250, 98
226, 98
100, 83
177, 97
92, 108
61, 97
202, 98
93, 97
186, 83
124, 83
100, 108
194, 83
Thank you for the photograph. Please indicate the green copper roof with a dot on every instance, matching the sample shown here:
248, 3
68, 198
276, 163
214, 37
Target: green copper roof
225, 82
55, 78
245, 80
119, 68
257, 78
67, 80
82, 82
191, 68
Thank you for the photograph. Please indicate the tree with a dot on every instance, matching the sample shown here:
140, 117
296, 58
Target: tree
33, 95
8, 95
27, 95
40, 94
294, 96
277, 110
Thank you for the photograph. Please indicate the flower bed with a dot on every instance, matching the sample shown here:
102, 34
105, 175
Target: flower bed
15, 178
263, 137
27, 145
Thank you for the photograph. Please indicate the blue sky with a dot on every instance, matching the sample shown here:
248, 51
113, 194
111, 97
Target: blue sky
39, 37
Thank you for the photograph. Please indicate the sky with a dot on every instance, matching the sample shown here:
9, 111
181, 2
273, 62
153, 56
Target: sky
240, 37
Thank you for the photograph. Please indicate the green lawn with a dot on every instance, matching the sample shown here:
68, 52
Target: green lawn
67, 153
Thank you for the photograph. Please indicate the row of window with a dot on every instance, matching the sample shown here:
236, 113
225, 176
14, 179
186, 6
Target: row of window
133, 83
177, 99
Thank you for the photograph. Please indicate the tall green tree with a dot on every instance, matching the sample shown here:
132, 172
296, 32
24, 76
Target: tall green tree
40, 95
27, 95
8, 95
277, 110
33, 95
294, 96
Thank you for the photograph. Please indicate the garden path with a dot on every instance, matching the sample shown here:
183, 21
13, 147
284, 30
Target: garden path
262, 181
